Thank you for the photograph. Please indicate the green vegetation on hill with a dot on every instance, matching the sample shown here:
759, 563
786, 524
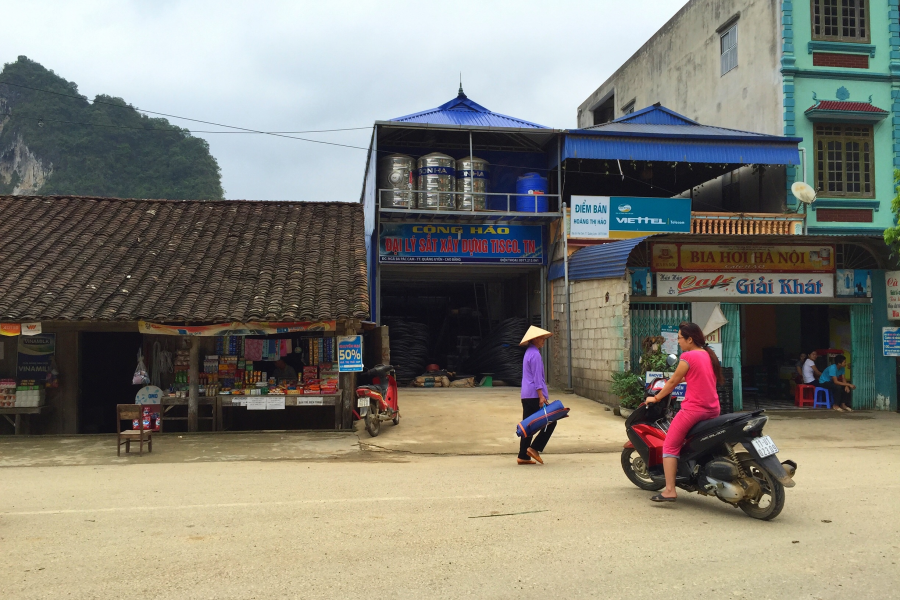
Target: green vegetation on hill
100, 148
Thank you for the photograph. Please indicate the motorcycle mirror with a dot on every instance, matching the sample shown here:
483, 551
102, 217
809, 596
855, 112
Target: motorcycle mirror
671, 360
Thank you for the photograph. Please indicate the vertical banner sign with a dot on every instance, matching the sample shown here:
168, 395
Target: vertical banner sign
892, 282
891, 339
35, 357
350, 354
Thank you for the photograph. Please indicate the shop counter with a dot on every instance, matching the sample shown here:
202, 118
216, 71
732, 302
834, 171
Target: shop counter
15, 415
170, 402
280, 402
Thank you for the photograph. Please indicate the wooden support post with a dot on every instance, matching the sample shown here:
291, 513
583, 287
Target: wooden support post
194, 381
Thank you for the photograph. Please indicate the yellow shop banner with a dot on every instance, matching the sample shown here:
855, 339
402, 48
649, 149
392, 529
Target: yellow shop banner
787, 258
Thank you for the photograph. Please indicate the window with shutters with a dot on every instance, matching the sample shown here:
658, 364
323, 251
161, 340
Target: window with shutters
729, 48
840, 20
844, 161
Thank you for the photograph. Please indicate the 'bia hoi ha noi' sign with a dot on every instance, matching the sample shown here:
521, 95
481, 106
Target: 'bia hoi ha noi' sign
744, 259
436, 243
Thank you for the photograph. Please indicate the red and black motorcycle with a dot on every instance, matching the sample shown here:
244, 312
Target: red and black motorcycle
377, 401
727, 457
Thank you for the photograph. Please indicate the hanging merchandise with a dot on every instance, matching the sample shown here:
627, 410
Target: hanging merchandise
162, 363
140, 373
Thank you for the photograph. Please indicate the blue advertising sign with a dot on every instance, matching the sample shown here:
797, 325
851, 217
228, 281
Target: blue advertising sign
619, 217
458, 243
891, 339
350, 358
35, 358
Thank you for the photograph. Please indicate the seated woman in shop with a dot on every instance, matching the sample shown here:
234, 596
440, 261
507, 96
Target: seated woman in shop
284, 371
832, 379
810, 371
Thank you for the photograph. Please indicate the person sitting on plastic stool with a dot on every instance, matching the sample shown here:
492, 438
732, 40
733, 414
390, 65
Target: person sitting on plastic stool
832, 379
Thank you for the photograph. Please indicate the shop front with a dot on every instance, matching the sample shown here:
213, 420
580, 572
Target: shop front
458, 203
241, 316
771, 302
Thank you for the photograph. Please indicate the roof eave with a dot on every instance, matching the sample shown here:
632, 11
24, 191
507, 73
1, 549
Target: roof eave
818, 115
449, 127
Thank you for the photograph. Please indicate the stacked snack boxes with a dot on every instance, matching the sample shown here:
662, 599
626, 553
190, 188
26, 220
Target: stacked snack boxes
228, 370
29, 394
7, 393
151, 420
328, 376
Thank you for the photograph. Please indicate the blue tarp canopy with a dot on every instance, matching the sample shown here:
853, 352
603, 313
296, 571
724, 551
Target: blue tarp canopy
661, 135
597, 262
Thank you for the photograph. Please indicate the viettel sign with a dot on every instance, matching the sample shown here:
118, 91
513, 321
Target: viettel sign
747, 285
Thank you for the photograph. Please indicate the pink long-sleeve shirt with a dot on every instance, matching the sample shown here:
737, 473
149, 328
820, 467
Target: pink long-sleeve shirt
533, 374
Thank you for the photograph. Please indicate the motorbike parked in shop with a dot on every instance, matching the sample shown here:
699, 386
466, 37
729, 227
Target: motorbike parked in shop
727, 457
377, 401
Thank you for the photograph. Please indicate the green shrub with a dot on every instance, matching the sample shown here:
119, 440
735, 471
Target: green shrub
629, 387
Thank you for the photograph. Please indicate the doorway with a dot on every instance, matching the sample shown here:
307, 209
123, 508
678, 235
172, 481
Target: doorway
108, 361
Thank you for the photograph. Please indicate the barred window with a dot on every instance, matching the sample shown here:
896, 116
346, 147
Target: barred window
728, 46
845, 160
840, 20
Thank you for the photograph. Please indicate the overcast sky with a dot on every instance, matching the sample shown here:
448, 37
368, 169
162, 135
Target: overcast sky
291, 66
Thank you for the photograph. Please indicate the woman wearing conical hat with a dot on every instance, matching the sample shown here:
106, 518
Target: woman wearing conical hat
534, 395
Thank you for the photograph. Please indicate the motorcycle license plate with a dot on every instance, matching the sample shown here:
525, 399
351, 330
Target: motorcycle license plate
765, 446
363, 402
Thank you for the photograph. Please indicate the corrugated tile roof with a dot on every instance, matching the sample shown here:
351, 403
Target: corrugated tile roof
72, 258
464, 112
838, 105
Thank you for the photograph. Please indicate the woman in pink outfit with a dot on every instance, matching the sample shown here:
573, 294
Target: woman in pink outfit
699, 367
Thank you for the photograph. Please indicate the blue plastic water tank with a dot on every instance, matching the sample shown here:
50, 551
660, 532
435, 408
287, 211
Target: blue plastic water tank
536, 186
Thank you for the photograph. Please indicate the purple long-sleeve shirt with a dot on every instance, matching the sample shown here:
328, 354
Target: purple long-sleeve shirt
533, 374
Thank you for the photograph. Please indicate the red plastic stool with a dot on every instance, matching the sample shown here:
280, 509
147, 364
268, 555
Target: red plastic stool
805, 395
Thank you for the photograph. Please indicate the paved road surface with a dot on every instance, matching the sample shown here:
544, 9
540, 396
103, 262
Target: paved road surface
325, 521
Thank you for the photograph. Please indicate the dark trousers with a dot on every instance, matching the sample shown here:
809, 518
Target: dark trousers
838, 395
529, 407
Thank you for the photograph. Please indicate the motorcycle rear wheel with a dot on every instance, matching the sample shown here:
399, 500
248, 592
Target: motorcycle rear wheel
373, 423
397, 418
772, 491
636, 471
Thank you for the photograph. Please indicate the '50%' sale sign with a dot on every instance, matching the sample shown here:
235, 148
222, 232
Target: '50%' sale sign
350, 354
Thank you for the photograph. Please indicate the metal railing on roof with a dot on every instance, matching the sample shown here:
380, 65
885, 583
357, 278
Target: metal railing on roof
465, 202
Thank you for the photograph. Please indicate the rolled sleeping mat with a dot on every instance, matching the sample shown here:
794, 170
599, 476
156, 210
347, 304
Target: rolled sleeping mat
552, 412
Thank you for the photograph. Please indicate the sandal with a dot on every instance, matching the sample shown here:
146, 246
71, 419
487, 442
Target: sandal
661, 498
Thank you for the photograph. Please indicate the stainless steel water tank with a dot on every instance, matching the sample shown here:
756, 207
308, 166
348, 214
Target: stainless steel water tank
437, 173
397, 175
472, 179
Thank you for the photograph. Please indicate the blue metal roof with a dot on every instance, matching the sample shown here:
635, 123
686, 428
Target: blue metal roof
597, 262
659, 134
462, 111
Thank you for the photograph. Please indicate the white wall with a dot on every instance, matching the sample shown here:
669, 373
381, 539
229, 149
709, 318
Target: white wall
680, 68
601, 336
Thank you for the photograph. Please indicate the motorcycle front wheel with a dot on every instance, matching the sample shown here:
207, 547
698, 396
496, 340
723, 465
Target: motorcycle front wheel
373, 423
636, 470
771, 500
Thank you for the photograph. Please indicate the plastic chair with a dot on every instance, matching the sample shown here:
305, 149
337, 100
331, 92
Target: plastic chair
805, 395
826, 403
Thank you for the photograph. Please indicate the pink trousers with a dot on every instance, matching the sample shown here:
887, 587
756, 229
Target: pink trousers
681, 424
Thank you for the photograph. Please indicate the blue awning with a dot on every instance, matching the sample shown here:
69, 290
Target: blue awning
659, 134
597, 262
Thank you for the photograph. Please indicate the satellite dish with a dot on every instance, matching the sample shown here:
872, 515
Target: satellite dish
803, 192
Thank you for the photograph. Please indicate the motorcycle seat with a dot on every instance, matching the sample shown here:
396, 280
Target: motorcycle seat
716, 422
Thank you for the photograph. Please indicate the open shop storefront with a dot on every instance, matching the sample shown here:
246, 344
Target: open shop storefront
457, 298
257, 376
772, 303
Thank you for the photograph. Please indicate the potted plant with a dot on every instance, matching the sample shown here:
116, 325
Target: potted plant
629, 387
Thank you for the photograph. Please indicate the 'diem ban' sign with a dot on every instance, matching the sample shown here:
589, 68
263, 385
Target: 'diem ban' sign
350, 354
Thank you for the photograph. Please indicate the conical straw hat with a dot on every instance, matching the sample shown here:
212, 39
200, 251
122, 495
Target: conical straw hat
534, 333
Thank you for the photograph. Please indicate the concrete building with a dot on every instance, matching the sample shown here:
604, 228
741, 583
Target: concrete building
827, 71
